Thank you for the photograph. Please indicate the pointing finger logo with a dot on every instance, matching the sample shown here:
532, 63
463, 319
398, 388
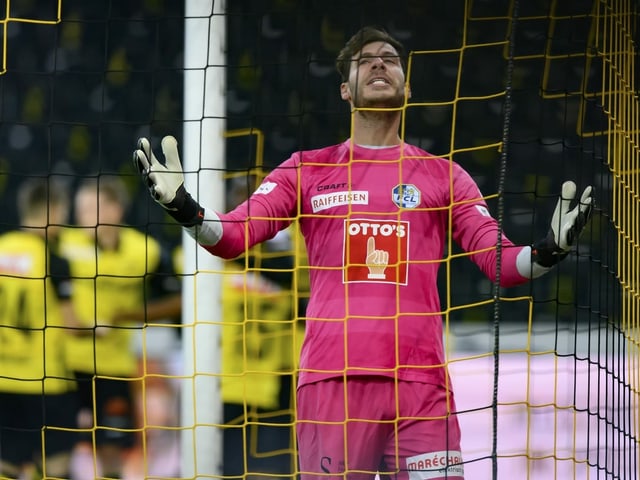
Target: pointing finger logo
377, 260
375, 251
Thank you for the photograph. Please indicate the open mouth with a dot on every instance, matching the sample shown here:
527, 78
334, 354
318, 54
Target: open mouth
378, 81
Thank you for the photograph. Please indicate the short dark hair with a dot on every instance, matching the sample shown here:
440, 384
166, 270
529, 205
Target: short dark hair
38, 193
111, 186
357, 42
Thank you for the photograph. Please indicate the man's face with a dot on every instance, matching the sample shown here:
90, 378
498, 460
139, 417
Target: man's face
376, 78
58, 213
93, 208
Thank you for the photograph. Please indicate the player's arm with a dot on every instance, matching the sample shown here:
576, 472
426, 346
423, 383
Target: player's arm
166, 185
476, 231
163, 308
567, 224
164, 296
259, 218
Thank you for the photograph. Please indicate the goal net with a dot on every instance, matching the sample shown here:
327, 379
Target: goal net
523, 95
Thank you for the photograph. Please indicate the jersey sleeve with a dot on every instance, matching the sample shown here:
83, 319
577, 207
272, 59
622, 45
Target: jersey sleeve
476, 231
270, 209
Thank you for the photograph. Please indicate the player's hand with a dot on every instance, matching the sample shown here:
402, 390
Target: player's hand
166, 182
566, 226
163, 181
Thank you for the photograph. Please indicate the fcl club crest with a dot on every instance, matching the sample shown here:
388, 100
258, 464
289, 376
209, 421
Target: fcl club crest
406, 196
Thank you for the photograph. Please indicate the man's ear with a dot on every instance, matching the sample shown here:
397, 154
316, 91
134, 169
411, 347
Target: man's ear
407, 91
345, 91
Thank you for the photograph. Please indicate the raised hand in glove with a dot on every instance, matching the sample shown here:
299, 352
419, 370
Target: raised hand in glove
566, 226
166, 182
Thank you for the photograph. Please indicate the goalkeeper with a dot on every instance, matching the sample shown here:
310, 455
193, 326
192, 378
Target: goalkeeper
373, 391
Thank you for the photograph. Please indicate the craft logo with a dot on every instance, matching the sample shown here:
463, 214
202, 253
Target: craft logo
406, 196
427, 466
376, 251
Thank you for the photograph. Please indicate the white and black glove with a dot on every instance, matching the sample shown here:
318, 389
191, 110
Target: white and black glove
166, 182
566, 226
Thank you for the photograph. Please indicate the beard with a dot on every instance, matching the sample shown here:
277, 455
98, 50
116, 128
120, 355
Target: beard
386, 100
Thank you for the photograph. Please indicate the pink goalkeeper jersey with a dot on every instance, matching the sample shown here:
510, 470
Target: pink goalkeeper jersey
375, 223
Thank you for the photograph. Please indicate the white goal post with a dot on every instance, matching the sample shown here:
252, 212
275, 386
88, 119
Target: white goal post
203, 153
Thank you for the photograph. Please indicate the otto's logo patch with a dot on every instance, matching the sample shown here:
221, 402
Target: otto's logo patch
406, 196
376, 251
266, 187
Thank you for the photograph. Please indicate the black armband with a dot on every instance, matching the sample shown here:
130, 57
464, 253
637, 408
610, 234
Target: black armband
184, 209
546, 252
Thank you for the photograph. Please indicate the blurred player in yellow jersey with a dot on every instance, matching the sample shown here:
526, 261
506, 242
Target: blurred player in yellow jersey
258, 309
36, 387
120, 279
256, 330
258, 350
256, 315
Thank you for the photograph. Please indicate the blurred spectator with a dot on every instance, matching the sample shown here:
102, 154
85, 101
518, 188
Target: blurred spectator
122, 279
36, 386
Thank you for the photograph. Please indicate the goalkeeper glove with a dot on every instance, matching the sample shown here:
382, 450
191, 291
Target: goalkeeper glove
566, 226
166, 183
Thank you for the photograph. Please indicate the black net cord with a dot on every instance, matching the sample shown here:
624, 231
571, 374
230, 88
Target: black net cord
500, 218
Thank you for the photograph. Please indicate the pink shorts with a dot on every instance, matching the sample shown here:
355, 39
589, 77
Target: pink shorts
407, 430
